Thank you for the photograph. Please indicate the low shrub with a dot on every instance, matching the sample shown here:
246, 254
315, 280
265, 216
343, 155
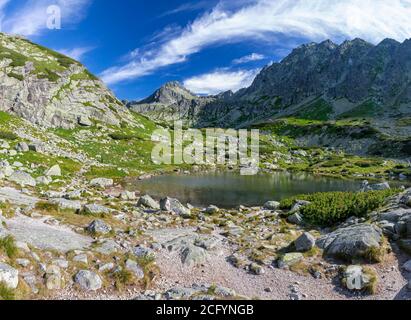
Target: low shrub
7, 135
329, 208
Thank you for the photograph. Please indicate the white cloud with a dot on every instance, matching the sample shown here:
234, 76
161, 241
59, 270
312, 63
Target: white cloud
220, 81
249, 58
372, 20
76, 53
31, 18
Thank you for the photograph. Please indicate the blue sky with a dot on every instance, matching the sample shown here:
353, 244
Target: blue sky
210, 46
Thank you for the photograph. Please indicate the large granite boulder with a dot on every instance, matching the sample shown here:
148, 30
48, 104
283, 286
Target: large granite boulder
355, 242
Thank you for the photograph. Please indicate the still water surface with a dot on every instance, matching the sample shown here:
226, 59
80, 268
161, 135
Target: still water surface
228, 190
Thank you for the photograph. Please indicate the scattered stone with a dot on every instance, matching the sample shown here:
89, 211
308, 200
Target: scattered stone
407, 266
54, 171
295, 219
43, 180
65, 204
212, 210
256, 269
134, 267
106, 267
22, 178
305, 242
289, 259
53, 278
95, 209
61, 263
99, 227
9, 276
356, 279
22, 147
193, 255
102, 182
148, 202
88, 281
237, 261
272, 205
81, 258
143, 252
128, 196
84, 121
23, 262
173, 205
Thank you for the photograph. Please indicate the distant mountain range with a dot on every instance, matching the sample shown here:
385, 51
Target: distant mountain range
317, 81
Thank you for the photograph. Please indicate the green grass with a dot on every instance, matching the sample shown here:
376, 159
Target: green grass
330, 208
8, 246
6, 293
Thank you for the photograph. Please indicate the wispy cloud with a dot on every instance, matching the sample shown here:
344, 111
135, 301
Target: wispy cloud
190, 6
313, 20
220, 80
250, 58
76, 53
31, 18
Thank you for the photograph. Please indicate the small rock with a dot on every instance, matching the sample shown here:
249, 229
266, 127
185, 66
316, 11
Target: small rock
148, 202
134, 267
102, 182
22, 147
289, 259
272, 205
88, 281
305, 243
99, 227
256, 269
212, 210
22, 178
173, 205
295, 219
81, 258
95, 209
54, 171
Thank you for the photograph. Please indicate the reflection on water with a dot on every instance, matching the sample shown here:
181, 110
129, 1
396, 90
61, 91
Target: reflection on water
228, 190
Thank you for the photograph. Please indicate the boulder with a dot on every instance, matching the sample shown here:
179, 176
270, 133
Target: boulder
53, 278
407, 266
148, 202
65, 204
88, 281
22, 147
84, 121
102, 182
289, 259
353, 242
99, 227
305, 242
36, 147
272, 205
295, 218
143, 252
128, 196
375, 187
54, 171
193, 255
212, 210
95, 209
22, 178
173, 205
9, 276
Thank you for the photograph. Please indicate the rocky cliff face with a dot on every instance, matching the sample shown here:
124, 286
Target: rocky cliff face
322, 81
52, 90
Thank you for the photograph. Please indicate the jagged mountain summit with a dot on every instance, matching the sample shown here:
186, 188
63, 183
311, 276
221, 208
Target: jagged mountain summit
52, 90
317, 81
172, 102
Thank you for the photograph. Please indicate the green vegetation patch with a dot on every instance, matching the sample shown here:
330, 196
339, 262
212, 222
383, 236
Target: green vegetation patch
364, 110
318, 110
8, 247
329, 208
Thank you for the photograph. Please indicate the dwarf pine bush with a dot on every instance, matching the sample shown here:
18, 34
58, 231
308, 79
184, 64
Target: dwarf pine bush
330, 208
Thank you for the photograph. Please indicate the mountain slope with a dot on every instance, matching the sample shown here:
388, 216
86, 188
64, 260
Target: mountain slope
322, 81
52, 90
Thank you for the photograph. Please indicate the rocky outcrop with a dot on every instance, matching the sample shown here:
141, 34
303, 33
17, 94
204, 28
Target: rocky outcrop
52, 90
